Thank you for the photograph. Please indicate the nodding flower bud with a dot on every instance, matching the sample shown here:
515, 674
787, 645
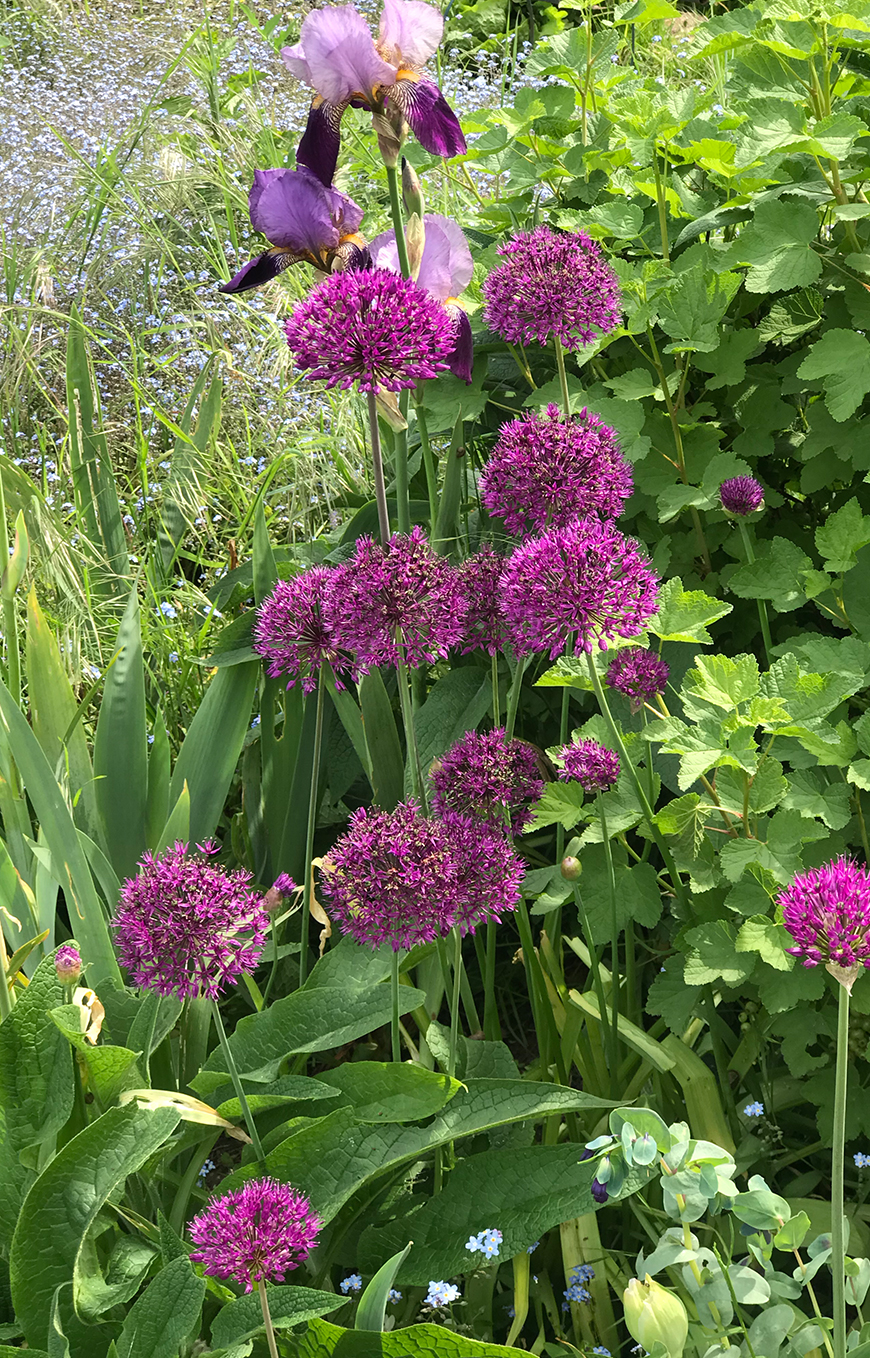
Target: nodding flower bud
282, 888
653, 1314
412, 190
571, 868
68, 963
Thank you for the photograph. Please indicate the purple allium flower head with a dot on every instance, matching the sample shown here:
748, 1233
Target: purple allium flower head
485, 625
827, 912
179, 923
551, 283
546, 471
587, 580
637, 673
741, 495
489, 778
391, 878
291, 633
592, 765
402, 593
487, 872
373, 327
261, 1231
68, 963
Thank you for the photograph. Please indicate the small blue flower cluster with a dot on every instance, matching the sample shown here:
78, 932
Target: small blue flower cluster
352, 1283
394, 1296
487, 1242
862, 1161
441, 1294
532, 1248
599, 1348
754, 1110
575, 1291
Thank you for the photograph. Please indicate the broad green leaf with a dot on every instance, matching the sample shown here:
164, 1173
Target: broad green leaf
372, 1307
670, 997
206, 764
726, 364
776, 573
182, 494
776, 246
637, 894
559, 804
107, 1067
243, 1318
382, 740
767, 938
806, 696
379, 1091
841, 358
322, 1340
61, 1207
691, 310
125, 1270
842, 536
165, 1314
685, 615
455, 704
712, 955
767, 787
723, 681
810, 794
264, 566
121, 748
287, 1089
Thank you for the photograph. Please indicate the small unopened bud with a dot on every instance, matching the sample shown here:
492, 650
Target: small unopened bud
412, 190
741, 495
68, 963
653, 1314
571, 868
280, 890
415, 239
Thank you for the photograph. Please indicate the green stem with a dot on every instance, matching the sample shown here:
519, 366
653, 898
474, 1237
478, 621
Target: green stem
514, 696
309, 836
378, 470
661, 204
232, 1071
267, 1319
838, 1240
597, 979
563, 740
149, 1041
181, 1195
6, 997
400, 464
454, 1002
10, 624
629, 768
428, 463
563, 376
762, 606
491, 1028
496, 703
195, 1026
398, 219
614, 943
408, 722
394, 996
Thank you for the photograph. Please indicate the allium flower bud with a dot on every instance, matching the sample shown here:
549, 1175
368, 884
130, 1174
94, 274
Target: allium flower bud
653, 1314
741, 495
68, 963
281, 890
571, 868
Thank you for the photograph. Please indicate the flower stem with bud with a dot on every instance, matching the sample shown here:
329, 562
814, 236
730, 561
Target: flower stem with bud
309, 832
762, 606
378, 470
838, 1244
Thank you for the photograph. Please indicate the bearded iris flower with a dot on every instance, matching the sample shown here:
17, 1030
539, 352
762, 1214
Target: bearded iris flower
446, 269
339, 59
305, 221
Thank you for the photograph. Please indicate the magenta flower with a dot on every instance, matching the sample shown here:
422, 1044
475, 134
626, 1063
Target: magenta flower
637, 673
487, 871
479, 579
339, 59
292, 635
398, 601
546, 471
262, 1231
741, 495
280, 891
304, 220
827, 912
68, 963
551, 283
391, 878
446, 269
372, 327
591, 765
185, 927
488, 778
587, 582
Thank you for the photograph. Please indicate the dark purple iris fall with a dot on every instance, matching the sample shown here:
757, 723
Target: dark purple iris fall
446, 269
639, 674
489, 778
372, 327
485, 625
546, 471
587, 582
551, 283
304, 220
291, 633
827, 912
263, 1230
338, 58
741, 495
593, 766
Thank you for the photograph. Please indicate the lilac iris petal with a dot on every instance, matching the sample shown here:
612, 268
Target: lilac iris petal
337, 56
429, 117
292, 208
410, 32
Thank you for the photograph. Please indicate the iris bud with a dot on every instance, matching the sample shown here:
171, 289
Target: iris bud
652, 1313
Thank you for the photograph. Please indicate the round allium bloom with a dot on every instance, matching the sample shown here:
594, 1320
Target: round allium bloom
290, 632
401, 591
373, 327
591, 765
486, 871
391, 878
490, 778
827, 912
637, 673
262, 1231
587, 581
68, 963
485, 626
546, 471
551, 283
186, 927
741, 495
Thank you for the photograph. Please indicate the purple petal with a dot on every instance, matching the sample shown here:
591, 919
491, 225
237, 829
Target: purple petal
259, 271
430, 117
461, 360
338, 52
292, 208
383, 252
446, 267
318, 149
410, 32
294, 59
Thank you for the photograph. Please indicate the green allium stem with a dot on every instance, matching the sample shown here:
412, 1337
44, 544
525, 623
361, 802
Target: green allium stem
378, 470
563, 376
408, 721
394, 998
762, 606
267, 1319
613, 1042
491, 1028
514, 697
454, 1002
233, 1073
309, 835
838, 1237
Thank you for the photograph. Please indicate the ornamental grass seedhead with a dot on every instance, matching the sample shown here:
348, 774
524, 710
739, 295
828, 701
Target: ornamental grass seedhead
655, 1315
292, 635
637, 673
551, 283
827, 912
591, 765
263, 1231
741, 495
185, 927
546, 471
489, 778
